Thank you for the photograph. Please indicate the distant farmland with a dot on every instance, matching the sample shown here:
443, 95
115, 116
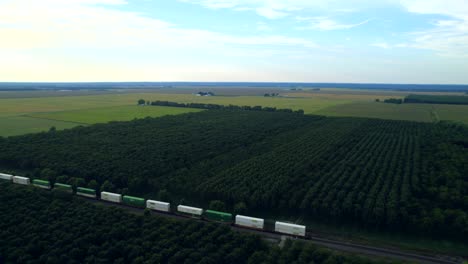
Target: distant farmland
114, 113
410, 112
29, 115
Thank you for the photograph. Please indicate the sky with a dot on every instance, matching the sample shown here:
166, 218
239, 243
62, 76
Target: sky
359, 41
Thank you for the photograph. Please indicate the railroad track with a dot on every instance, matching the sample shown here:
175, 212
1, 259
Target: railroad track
383, 252
329, 243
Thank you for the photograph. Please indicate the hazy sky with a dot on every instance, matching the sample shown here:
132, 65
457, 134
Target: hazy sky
396, 41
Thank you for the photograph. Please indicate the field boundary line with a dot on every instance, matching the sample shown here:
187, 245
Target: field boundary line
52, 119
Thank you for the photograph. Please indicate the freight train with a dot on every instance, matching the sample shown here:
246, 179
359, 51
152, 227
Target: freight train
183, 210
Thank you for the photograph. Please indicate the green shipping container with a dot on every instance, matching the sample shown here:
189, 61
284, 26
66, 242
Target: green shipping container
41, 183
133, 201
63, 187
218, 216
86, 192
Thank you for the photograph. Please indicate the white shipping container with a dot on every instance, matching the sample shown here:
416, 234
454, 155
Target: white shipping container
249, 221
5, 176
189, 210
292, 229
21, 180
42, 186
159, 206
85, 194
111, 197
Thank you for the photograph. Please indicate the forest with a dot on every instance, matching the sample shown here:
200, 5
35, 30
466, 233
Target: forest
37, 226
436, 99
377, 174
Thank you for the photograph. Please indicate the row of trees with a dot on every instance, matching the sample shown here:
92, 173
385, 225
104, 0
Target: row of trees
137, 155
37, 226
436, 99
383, 174
227, 107
394, 101
391, 175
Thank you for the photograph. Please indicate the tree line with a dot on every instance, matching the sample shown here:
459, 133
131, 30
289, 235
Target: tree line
394, 101
218, 106
436, 99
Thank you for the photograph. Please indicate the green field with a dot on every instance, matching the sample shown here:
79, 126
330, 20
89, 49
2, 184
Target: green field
410, 112
18, 125
114, 113
29, 115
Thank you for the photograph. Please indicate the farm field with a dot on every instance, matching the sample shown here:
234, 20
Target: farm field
18, 125
113, 113
29, 115
410, 112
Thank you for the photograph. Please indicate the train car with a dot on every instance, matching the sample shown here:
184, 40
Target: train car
86, 192
158, 206
6, 177
21, 180
133, 201
250, 222
41, 184
111, 197
218, 216
190, 211
63, 187
290, 229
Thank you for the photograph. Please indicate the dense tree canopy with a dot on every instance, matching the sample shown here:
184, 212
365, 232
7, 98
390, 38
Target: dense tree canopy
228, 107
393, 101
392, 175
38, 227
436, 99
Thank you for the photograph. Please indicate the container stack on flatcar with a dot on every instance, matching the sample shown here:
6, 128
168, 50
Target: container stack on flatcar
158, 206
291, 229
86, 192
133, 201
63, 187
111, 197
218, 216
190, 211
21, 180
42, 184
7, 177
250, 222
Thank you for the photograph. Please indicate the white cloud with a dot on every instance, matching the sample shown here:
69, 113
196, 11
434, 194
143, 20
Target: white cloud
270, 13
86, 40
445, 40
90, 37
453, 8
274, 9
29, 24
325, 23
449, 36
